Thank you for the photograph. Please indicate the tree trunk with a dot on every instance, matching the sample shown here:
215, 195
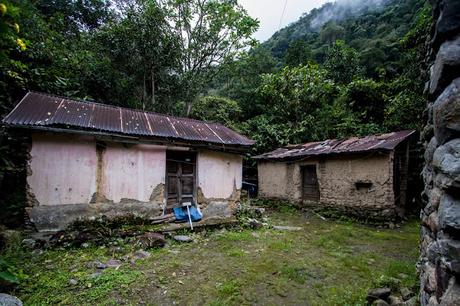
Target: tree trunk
152, 74
144, 93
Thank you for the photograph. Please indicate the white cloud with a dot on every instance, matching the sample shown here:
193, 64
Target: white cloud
269, 12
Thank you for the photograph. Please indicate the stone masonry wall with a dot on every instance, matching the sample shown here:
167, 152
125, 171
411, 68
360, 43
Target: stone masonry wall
439, 264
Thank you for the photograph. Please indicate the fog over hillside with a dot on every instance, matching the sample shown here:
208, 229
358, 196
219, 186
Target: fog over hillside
336, 11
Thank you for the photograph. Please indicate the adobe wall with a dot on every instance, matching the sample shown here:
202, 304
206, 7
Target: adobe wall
219, 179
132, 172
71, 155
336, 178
439, 264
74, 177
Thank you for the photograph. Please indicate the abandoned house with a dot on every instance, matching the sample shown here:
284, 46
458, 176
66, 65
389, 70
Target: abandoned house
88, 159
365, 177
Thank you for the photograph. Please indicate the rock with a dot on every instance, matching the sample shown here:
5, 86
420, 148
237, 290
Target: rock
450, 251
380, 302
429, 150
101, 266
259, 211
452, 295
391, 225
446, 161
446, 113
9, 300
432, 222
395, 300
449, 213
402, 275
287, 228
378, 293
183, 238
445, 67
406, 293
254, 223
141, 254
151, 240
85, 245
411, 302
28, 243
447, 23
73, 282
96, 264
113, 263
96, 274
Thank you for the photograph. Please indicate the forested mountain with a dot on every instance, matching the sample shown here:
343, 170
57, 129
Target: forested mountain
374, 28
347, 68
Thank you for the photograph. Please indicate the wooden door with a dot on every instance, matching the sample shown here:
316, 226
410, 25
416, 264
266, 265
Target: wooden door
310, 187
180, 178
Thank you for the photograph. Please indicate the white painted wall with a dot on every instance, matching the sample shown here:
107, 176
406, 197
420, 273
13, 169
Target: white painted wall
63, 169
219, 173
133, 171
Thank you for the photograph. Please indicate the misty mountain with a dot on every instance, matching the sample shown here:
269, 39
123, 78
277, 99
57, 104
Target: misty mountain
372, 27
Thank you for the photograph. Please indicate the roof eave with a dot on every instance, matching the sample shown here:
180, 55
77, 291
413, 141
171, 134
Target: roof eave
235, 148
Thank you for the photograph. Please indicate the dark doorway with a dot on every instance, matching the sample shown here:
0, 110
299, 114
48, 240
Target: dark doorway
180, 179
310, 188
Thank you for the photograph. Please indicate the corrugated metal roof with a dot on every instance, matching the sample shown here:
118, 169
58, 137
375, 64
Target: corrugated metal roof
382, 142
38, 109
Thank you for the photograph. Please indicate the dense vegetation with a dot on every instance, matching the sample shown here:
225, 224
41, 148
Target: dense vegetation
359, 72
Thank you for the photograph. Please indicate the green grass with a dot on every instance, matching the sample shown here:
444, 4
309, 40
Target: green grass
326, 263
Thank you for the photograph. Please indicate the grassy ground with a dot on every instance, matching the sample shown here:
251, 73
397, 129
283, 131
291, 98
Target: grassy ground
326, 263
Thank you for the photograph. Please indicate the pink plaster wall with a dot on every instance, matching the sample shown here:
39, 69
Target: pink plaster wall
63, 169
132, 171
219, 173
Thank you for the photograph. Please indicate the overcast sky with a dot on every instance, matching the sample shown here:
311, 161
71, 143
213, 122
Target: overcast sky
269, 12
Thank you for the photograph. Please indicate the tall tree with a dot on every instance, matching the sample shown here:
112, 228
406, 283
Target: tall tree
211, 32
143, 48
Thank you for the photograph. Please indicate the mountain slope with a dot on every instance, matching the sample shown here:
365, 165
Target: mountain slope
372, 27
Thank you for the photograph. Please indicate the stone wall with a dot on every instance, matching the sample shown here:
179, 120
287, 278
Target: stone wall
439, 264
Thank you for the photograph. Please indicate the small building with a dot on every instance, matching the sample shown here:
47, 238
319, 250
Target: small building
360, 176
89, 159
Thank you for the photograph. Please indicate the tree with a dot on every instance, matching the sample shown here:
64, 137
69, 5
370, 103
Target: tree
211, 32
298, 53
297, 103
330, 32
217, 109
240, 79
342, 63
144, 49
366, 98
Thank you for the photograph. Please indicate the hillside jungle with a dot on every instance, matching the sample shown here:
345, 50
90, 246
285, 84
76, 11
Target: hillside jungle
358, 73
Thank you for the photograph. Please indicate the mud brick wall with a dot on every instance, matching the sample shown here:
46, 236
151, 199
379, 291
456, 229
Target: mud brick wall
439, 264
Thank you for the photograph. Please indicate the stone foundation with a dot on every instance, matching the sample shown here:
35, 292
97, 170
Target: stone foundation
439, 264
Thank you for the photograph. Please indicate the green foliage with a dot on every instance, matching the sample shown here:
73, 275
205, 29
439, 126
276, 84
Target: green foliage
298, 53
211, 33
342, 63
217, 109
7, 273
240, 79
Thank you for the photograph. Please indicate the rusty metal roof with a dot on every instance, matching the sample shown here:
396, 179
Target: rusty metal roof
43, 110
382, 142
